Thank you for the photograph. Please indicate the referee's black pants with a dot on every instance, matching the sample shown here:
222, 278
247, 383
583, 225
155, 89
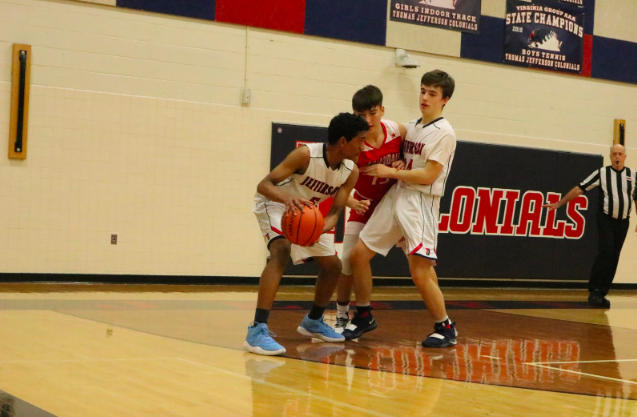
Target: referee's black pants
612, 233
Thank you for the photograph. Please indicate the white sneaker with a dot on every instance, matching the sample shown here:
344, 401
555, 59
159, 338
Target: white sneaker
341, 323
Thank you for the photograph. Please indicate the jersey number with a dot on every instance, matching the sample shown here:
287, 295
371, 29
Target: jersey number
375, 181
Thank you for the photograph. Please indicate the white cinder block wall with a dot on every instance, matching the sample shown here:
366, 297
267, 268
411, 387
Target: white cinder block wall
136, 129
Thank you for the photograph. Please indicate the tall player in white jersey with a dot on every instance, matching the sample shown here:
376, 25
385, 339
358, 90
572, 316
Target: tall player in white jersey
382, 146
308, 175
411, 210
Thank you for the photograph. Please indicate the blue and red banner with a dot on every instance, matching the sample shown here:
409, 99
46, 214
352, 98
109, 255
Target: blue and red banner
462, 15
544, 34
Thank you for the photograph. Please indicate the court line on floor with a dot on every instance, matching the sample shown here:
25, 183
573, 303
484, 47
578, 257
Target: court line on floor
87, 360
288, 389
597, 361
582, 373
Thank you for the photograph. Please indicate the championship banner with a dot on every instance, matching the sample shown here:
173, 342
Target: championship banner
544, 34
462, 15
492, 223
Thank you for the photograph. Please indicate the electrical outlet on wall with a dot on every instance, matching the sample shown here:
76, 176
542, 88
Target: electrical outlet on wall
246, 96
113, 239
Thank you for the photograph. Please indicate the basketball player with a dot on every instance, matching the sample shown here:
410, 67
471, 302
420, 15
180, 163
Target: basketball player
308, 175
410, 209
382, 146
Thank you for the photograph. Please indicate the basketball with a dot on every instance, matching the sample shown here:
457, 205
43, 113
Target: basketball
303, 228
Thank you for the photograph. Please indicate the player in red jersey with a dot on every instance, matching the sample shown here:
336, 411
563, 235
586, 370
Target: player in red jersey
382, 146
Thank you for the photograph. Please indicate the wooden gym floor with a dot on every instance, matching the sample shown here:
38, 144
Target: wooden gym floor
105, 350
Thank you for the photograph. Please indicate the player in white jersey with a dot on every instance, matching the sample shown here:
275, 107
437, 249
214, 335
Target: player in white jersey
411, 210
308, 175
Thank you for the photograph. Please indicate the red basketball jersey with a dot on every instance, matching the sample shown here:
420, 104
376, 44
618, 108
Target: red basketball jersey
373, 188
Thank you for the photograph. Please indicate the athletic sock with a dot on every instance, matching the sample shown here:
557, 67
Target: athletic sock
316, 312
444, 321
363, 311
261, 315
342, 309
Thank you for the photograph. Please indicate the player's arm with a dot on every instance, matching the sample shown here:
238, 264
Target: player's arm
403, 131
297, 161
340, 199
442, 149
571, 195
400, 164
359, 206
423, 176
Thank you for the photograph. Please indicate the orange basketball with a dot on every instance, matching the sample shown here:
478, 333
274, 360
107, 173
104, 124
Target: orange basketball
303, 228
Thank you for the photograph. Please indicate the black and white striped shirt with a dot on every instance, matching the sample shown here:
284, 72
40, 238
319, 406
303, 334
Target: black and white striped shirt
618, 189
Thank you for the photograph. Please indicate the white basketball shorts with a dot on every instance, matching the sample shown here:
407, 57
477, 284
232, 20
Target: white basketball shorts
404, 213
269, 214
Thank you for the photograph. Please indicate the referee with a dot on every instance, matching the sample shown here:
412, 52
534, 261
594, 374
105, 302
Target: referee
617, 183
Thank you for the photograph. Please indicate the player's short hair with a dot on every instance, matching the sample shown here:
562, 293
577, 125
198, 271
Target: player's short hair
438, 78
345, 125
366, 98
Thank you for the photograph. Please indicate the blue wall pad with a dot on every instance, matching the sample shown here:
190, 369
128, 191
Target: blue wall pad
352, 20
200, 9
488, 45
614, 60
589, 16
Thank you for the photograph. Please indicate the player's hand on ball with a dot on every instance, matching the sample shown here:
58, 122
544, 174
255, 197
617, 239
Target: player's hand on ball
293, 203
361, 207
303, 226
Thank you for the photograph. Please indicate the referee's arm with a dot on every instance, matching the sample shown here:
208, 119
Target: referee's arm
635, 200
588, 184
574, 193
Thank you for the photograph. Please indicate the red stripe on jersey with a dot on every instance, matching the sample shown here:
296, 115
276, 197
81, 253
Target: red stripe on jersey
276, 230
416, 250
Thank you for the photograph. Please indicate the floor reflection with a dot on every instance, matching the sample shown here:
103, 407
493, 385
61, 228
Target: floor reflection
334, 391
494, 349
578, 352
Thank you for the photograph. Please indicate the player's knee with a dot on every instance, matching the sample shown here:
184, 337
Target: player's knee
422, 269
331, 266
360, 255
280, 251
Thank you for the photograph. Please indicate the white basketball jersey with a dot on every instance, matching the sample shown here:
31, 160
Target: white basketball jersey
436, 141
319, 181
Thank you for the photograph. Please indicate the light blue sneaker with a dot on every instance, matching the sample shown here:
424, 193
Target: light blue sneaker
259, 340
318, 329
